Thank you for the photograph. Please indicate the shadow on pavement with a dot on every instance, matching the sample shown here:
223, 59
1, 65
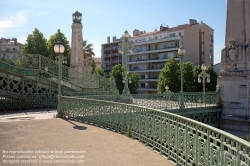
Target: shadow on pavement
76, 126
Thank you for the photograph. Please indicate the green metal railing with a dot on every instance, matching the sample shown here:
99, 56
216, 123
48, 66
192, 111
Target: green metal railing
185, 141
158, 101
28, 101
33, 64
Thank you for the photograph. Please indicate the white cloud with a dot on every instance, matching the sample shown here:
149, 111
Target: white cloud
13, 21
22, 40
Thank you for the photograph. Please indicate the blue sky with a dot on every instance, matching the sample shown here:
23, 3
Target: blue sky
102, 18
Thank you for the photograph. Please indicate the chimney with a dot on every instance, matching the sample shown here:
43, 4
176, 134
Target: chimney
114, 38
108, 39
192, 21
136, 32
141, 32
144, 31
161, 28
15, 41
155, 30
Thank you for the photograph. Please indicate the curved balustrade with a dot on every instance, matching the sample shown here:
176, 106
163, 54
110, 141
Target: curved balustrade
158, 101
185, 141
69, 76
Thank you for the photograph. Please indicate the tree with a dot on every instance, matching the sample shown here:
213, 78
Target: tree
93, 66
213, 79
134, 83
52, 41
99, 71
211, 86
36, 44
188, 77
169, 75
88, 50
117, 74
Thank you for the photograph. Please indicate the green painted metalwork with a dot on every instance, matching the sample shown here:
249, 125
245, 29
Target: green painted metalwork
37, 75
185, 141
208, 113
124, 47
159, 101
32, 64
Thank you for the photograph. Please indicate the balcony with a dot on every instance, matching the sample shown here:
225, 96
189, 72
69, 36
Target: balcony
155, 50
158, 40
151, 79
107, 68
146, 69
147, 89
151, 60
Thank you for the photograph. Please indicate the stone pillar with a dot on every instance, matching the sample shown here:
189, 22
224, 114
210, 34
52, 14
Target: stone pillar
76, 47
234, 79
78, 62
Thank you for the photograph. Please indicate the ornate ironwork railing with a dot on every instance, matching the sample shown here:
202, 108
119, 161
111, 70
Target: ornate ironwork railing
28, 101
158, 101
34, 63
185, 141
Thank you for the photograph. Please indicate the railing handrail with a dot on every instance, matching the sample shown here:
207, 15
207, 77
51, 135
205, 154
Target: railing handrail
178, 128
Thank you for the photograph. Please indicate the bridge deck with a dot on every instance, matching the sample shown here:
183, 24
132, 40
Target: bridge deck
103, 147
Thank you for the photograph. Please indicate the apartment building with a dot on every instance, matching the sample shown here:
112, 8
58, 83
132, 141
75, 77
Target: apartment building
110, 55
10, 47
153, 49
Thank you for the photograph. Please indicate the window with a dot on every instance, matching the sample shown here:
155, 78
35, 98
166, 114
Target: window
211, 38
211, 48
179, 33
172, 34
211, 58
142, 85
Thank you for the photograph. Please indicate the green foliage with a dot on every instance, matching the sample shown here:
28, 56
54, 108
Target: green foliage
198, 86
128, 133
169, 75
213, 79
52, 41
36, 44
135, 77
88, 49
99, 71
188, 77
211, 86
93, 65
117, 73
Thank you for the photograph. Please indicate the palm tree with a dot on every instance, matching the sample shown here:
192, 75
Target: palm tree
88, 50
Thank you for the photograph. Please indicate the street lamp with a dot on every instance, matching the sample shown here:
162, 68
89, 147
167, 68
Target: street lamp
59, 49
181, 53
203, 75
124, 47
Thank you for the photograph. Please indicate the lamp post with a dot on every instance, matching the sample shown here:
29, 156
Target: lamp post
59, 49
203, 75
181, 53
124, 47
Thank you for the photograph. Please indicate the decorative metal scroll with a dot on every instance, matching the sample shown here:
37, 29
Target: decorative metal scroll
182, 140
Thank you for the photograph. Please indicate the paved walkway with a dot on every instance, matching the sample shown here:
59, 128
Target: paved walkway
38, 139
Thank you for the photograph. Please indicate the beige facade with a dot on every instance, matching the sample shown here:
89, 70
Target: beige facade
153, 49
11, 48
110, 55
98, 62
234, 79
